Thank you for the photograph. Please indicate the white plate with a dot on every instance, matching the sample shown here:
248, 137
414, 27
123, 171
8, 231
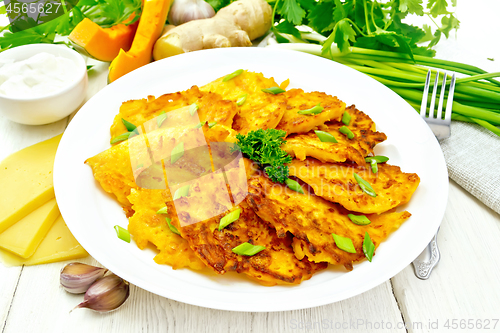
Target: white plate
91, 213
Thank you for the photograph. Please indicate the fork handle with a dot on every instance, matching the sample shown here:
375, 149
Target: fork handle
423, 268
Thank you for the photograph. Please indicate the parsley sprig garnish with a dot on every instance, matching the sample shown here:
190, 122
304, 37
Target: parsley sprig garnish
264, 147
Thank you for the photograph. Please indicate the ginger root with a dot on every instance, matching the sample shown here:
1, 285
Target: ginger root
235, 25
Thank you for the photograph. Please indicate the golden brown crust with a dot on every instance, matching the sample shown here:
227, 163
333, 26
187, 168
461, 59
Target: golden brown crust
211, 107
312, 220
113, 171
363, 128
308, 144
336, 183
146, 226
276, 264
118, 174
260, 110
355, 150
297, 100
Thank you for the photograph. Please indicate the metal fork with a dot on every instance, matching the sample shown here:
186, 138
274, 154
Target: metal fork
429, 258
439, 126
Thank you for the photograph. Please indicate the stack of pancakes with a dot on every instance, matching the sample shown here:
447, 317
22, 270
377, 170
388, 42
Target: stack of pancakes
295, 229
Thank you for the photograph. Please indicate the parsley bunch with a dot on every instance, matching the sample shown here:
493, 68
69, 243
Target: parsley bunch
264, 147
365, 23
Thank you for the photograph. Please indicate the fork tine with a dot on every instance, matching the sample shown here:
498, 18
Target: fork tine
449, 103
433, 98
441, 99
423, 106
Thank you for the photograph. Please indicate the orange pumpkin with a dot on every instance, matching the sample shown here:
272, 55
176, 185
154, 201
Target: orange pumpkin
102, 44
154, 15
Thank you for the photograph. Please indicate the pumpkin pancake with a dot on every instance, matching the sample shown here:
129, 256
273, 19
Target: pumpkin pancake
211, 108
298, 100
355, 150
260, 110
277, 264
146, 226
336, 183
137, 162
312, 220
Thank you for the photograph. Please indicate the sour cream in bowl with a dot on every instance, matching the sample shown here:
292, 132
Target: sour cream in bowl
41, 83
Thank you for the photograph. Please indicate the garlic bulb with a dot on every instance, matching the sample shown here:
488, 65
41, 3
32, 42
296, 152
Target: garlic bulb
106, 294
76, 277
183, 11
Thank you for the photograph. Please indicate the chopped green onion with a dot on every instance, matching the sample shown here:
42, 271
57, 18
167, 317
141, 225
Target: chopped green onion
133, 133
161, 118
346, 118
181, 192
241, 99
378, 159
163, 210
140, 166
121, 137
232, 75
347, 132
293, 185
177, 153
325, 136
314, 110
374, 160
193, 108
273, 90
210, 125
365, 186
359, 219
229, 218
368, 247
128, 125
124, 136
122, 233
171, 227
344, 243
247, 249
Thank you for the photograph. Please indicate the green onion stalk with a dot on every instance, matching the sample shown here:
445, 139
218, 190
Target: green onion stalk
477, 93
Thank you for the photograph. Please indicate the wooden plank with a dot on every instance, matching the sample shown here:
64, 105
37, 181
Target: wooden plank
8, 286
464, 285
15, 136
39, 294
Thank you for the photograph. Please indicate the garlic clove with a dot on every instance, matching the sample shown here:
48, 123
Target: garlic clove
76, 277
106, 294
183, 11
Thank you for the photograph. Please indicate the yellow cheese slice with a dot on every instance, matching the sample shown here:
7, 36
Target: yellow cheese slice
24, 237
26, 181
58, 245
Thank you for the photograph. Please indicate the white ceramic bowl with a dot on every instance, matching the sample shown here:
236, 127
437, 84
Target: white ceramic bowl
55, 105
